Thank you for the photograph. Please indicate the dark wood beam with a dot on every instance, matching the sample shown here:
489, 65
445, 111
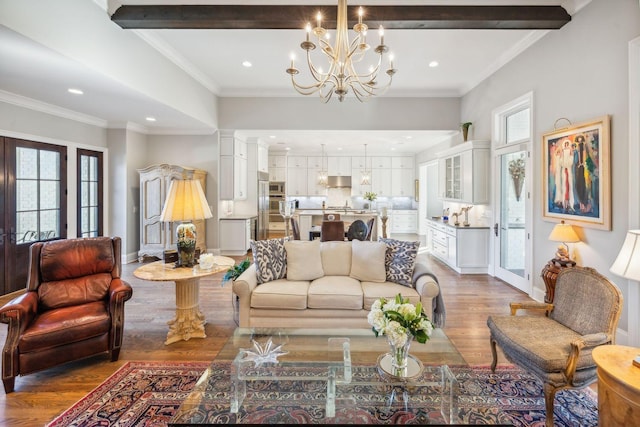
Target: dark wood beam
253, 17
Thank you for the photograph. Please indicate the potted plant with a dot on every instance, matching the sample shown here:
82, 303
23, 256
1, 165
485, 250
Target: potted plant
236, 270
465, 130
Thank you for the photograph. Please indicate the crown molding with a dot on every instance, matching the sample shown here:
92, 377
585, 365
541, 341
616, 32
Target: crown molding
43, 107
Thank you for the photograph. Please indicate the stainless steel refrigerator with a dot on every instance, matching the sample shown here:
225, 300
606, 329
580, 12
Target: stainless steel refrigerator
263, 206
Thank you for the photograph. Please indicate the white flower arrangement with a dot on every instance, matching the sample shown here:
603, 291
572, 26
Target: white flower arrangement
398, 318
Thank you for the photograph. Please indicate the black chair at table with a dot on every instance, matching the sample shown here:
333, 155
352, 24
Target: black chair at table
370, 225
332, 231
295, 229
357, 230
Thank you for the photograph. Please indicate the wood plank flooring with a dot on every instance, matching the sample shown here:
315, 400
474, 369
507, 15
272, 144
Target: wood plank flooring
39, 397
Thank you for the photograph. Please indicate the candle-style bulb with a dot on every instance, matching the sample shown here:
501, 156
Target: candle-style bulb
319, 19
360, 12
381, 32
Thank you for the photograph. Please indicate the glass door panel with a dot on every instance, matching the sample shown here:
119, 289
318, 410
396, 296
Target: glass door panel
512, 213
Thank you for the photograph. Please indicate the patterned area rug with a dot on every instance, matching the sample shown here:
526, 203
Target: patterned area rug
149, 394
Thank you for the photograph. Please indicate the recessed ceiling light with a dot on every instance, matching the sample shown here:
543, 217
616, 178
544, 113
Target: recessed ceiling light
433, 64
288, 148
75, 91
408, 136
247, 64
150, 119
339, 148
393, 148
272, 136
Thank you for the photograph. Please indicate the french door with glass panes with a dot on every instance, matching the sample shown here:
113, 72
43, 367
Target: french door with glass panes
32, 204
90, 217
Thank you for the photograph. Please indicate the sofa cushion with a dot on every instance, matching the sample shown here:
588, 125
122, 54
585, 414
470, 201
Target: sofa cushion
270, 259
281, 294
367, 261
400, 260
303, 260
336, 258
373, 290
339, 292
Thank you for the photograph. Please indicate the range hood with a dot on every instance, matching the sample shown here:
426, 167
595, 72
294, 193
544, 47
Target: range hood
339, 182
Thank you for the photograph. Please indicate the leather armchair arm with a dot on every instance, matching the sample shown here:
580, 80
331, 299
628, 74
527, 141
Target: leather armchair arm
585, 341
20, 311
18, 315
119, 292
530, 305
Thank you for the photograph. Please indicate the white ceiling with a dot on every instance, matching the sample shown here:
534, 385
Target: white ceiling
34, 75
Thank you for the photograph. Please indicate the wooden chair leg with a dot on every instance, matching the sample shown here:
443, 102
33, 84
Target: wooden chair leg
494, 353
9, 384
549, 395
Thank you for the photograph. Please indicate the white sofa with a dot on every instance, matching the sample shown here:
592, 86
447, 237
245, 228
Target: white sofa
338, 296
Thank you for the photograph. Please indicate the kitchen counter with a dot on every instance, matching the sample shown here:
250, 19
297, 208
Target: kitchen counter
249, 216
450, 224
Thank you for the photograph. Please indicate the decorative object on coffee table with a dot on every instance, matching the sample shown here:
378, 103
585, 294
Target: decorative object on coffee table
400, 321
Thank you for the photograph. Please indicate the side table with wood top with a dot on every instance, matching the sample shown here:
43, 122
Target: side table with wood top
618, 385
550, 274
189, 321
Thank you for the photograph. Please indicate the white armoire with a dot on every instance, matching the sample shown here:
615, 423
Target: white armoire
157, 236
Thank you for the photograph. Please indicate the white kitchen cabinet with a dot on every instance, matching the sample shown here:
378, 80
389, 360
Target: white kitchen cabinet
403, 162
464, 249
313, 187
157, 236
277, 161
296, 184
263, 158
278, 174
381, 182
233, 168
403, 221
297, 162
402, 182
339, 166
317, 162
235, 236
360, 163
464, 173
381, 162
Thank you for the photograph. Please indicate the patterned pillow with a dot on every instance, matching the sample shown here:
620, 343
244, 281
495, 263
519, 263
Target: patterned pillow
270, 259
400, 260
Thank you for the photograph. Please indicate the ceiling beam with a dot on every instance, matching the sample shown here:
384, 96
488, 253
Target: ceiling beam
253, 17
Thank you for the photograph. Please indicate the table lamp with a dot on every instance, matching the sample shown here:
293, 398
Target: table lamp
563, 233
627, 264
185, 202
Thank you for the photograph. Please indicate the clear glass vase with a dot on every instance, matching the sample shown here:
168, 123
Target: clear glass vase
400, 355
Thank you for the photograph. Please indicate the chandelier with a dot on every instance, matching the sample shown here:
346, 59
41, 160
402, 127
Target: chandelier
342, 75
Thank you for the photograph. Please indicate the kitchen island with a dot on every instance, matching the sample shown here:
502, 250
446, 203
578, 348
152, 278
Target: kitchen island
309, 217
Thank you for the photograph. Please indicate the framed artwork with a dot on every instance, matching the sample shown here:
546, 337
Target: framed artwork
576, 177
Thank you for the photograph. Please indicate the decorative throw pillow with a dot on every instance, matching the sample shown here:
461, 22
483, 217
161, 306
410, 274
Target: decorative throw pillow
367, 261
400, 260
270, 259
304, 261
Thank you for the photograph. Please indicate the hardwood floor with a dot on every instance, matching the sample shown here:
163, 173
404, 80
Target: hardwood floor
39, 397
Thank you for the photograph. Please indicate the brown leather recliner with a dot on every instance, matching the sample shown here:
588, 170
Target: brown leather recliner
73, 307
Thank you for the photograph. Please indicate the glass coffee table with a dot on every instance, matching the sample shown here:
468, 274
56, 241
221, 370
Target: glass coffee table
322, 376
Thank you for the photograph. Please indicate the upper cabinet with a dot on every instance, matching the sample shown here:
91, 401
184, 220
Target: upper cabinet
277, 168
263, 158
339, 166
464, 173
233, 168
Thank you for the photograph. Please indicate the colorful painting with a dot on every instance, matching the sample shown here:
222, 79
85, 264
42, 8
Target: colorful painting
576, 176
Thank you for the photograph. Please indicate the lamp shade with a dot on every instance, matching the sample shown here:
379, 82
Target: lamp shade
185, 202
627, 264
563, 233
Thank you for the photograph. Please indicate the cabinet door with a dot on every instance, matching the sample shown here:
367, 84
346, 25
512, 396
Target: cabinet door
381, 182
277, 174
296, 182
263, 158
277, 161
339, 166
316, 162
402, 182
240, 149
404, 162
240, 178
314, 188
381, 162
360, 163
452, 254
296, 162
